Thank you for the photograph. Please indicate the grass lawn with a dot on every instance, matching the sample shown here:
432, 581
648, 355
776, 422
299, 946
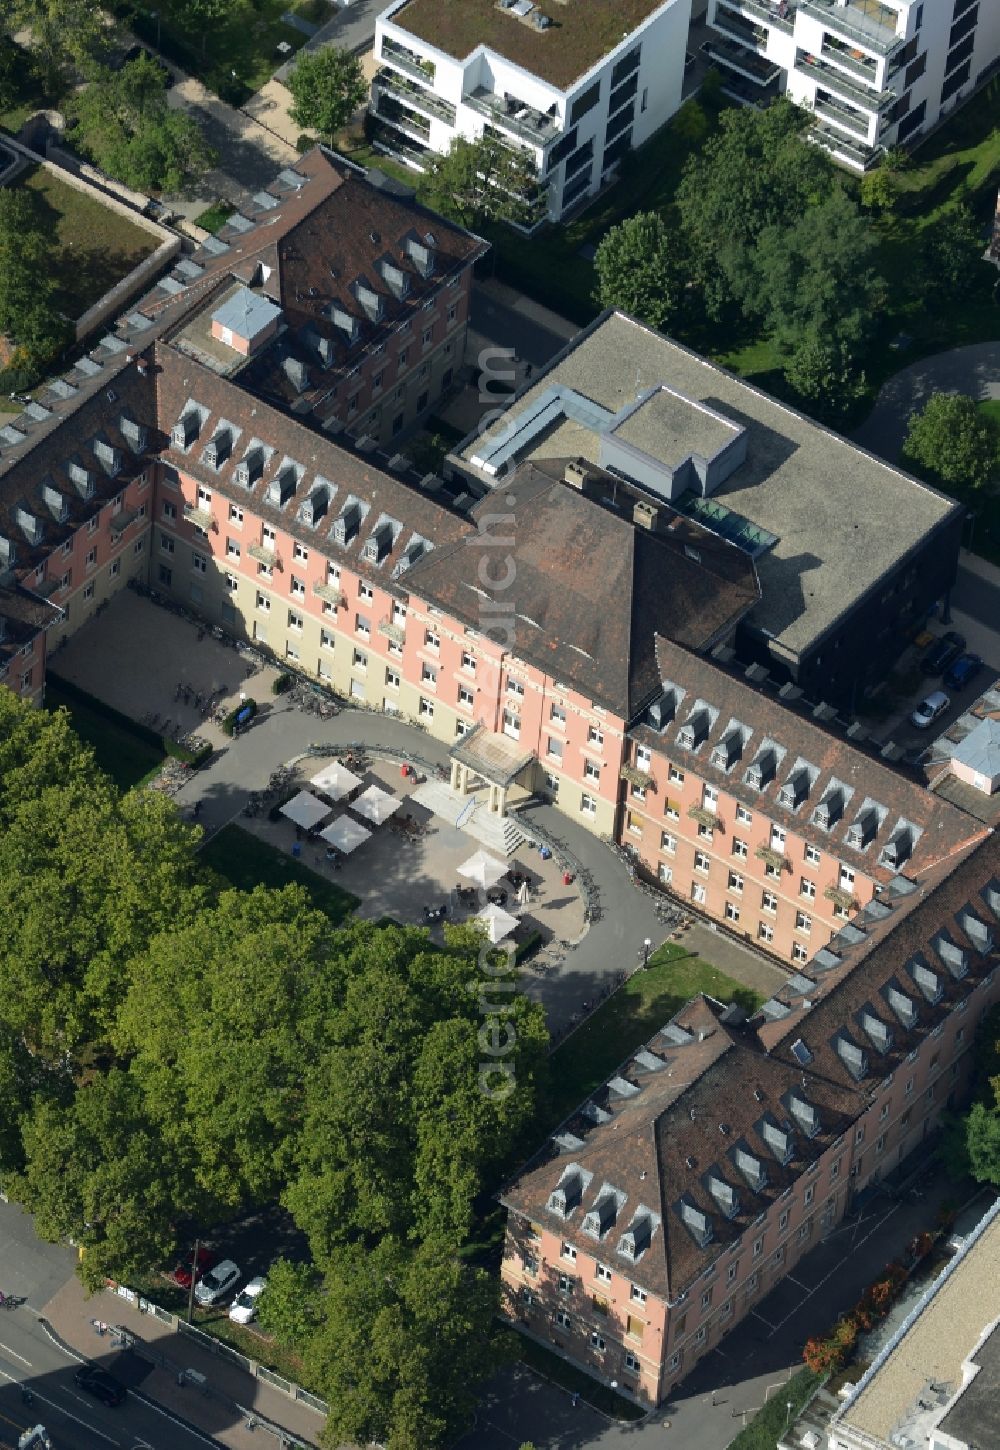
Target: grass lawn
93, 247
246, 861
991, 410
628, 1019
127, 758
214, 218
770, 1423
236, 56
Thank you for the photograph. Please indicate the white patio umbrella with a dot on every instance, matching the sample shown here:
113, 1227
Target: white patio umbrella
305, 810
375, 804
483, 869
522, 894
345, 834
335, 781
498, 923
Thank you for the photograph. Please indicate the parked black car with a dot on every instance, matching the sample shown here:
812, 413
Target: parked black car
100, 1384
942, 653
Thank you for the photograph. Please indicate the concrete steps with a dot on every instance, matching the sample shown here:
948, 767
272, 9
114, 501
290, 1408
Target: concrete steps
469, 813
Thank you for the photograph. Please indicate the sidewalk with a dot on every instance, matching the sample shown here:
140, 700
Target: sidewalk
220, 1407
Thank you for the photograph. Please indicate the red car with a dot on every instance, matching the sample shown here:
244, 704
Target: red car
181, 1274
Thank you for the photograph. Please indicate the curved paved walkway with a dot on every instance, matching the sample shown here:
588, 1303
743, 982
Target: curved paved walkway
974, 370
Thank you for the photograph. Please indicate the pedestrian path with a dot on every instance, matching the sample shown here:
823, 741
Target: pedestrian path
205, 1389
974, 370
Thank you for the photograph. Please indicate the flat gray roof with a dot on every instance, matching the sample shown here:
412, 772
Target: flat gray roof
672, 427
842, 517
245, 313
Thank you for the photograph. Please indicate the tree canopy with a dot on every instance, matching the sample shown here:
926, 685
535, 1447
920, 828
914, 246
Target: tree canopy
327, 87
641, 269
175, 1052
482, 181
29, 316
950, 441
123, 123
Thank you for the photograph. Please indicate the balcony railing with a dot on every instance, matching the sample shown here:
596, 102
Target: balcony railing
777, 860
842, 146
846, 900
329, 593
201, 518
744, 62
405, 119
413, 95
843, 116
392, 630
704, 817
781, 16
839, 55
262, 554
536, 127
855, 24
638, 777
834, 80
407, 61
728, 23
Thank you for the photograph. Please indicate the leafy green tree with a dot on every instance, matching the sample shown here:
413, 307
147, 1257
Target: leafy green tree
121, 120
641, 269
951, 255
199, 18
951, 442
755, 172
982, 1143
878, 189
407, 1336
97, 1170
63, 32
291, 1306
483, 181
327, 87
29, 317
824, 371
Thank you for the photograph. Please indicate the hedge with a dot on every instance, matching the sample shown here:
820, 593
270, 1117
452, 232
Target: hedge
146, 733
229, 723
282, 684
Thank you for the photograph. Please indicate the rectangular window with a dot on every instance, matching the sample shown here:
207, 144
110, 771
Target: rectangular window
698, 893
732, 911
800, 953
512, 724
563, 1319
777, 838
115, 569
634, 1328
768, 901
735, 882
567, 1251
166, 544
744, 816
236, 515
671, 810
426, 708
740, 848
297, 588
846, 879
232, 549
362, 626
812, 855
668, 842
765, 931
465, 697
166, 576
585, 102
263, 603
803, 922
591, 771
432, 640
365, 592
469, 664
169, 509
677, 776
701, 861
554, 748
595, 736
665, 873
807, 889
88, 592
428, 674
588, 805
294, 620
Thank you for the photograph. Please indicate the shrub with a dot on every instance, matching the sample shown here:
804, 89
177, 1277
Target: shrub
304, 143
282, 684
229, 723
527, 948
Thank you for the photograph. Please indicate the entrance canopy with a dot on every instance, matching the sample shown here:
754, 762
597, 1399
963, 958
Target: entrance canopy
346, 835
483, 869
497, 758
336, 781
375, 804
305, 810
498, 923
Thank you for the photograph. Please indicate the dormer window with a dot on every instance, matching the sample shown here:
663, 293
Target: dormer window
218, 448
980, 935
603, 1214
898, 848
82, 479
761, 771
805, 1115
378, 544
929, 982
751, 1168
55, 502
421, 253
250, 468
347, 525
567, 1195
878, 1032
955, 958
694, 730
778, 1140
108, 456
829, 810
282, 487
795, 789
133, 433
727, 751
862, 829
371, 302
186, 429
345, 322
903, 1006
697, 1223
30, 525
397, 281
725, 1195
854, 1058
313, 508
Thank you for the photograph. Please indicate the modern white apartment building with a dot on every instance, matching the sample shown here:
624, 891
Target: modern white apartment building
875, 72
577, 82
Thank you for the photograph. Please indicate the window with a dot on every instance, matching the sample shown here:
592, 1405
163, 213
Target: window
166, 575
563, 1319
744, 816
908, 1088
602, 1272
740, 848
169, 509
596, 1340
884, 1112
166, 544
637, 1295
701, 861
807, 889
783, 1221
554, 748
706, 833
468, 662
591, 771
675, 1360
263, 603
765, 931
199, 563
859, 1136
426, 708
236, 515
768, 901
139, 546
668, 842
268, 536
294, 620
360, 659
631, 1363
846, 878
732, 911
465, 697
291, 650
809, 1195
326, 639
698, 893
777, 838
634, 1327
232, 549
701, 1335
566, 1283
88, 592
800, 953
588, 805
735, 882
812, 855
709, 797
362, 626
297, 588
432, 640
880, 1143
567, 1251
91, 559
772, 872
365, 592
677, 776
665, 873
427, 337
429, 674
732, 1271
803, 922
115, 569
512, 724
557, 714
671, 810
595, 736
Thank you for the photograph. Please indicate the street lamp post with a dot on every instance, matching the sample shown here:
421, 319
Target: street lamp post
647, 947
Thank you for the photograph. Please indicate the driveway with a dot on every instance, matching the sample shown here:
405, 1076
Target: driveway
974, 370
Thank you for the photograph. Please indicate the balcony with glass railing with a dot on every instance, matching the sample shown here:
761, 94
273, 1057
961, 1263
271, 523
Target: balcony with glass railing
872, 26
538, 128
830, 78
401, 57
394, 113
732, 25
856, 124
408, 94
738, 58
780, 15
852, 61
855, 153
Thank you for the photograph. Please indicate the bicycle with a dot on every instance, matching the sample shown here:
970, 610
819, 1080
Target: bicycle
11, 1301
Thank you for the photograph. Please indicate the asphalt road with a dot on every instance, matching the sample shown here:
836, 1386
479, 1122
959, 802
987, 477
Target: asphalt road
30, 1359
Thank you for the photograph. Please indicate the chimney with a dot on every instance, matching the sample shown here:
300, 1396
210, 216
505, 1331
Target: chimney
575, 475
645, 515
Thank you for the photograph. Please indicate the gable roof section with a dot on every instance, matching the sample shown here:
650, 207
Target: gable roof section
589, 589
825, 769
